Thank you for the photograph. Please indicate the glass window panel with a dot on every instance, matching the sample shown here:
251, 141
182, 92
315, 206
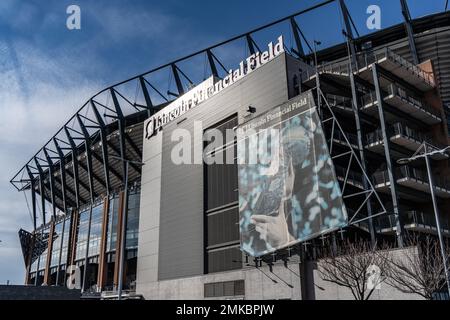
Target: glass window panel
56, 248
82, 235
96, 230
112, 224
133, 220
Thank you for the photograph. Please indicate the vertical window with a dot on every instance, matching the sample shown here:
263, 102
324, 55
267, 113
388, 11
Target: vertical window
112, 224
96, 230
82, 235
56, 248
221, 201
65, 242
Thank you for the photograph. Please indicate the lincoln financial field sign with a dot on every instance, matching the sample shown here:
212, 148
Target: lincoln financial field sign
288, 191
210, 87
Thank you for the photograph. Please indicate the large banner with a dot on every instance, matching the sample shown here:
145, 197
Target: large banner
288, 191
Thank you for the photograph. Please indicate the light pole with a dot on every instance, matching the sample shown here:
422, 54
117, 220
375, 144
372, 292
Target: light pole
123, 223
426, 155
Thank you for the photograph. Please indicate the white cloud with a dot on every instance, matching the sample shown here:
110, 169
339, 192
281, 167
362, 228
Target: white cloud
38, 94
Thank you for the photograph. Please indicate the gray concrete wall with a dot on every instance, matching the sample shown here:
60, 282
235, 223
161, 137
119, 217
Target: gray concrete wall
181, 252
257, 285
147, 261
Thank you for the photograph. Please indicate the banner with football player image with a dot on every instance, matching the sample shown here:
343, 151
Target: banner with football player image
288, 191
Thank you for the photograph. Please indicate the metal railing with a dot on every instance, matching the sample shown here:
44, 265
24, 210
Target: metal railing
337, 135
403, 130
394, 90
408, 172
366, 59
374, 137
335, 100
355, 177
409, 218
400, 92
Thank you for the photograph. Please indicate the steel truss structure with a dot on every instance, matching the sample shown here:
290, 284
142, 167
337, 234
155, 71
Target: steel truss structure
73, 168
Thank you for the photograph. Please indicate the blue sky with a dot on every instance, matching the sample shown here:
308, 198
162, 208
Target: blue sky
48, 71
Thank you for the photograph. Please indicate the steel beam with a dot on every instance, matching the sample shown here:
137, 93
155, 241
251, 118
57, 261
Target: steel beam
103, 140
49, 252
117, 151
121, 125
148, 100
51, 174
41, 188
360, 134
33, 196
298, 41
251, 44
88, 150
76, 176
134, 146
176, 76
387, 152
62, 171
81, 183
349, 32
102, 264
409, 31
110, 168
212, 64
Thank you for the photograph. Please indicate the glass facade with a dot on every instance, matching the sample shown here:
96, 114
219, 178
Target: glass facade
83, 226
43, 256
62, 241
56, 248
96, 230
65, 241
113, 214
133, 220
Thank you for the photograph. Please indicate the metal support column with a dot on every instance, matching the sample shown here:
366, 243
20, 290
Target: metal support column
409, 31
176, 76
102, 264
76, 176
49, 252
87, 144
104, 142
360, 135
33, 196
41, 188
118, 240
148, 100
212, 65
437, 217
348, 30
387, 152
121, 127
51, 174
298, 42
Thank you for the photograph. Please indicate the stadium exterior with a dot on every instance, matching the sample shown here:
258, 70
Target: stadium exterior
106, 192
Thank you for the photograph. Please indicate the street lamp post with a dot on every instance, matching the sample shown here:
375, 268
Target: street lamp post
123, 223
426, 155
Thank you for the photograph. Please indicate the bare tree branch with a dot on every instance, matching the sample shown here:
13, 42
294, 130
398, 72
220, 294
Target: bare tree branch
349, 266
418, 269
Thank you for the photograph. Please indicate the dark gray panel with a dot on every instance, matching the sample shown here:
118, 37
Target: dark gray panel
181, 245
